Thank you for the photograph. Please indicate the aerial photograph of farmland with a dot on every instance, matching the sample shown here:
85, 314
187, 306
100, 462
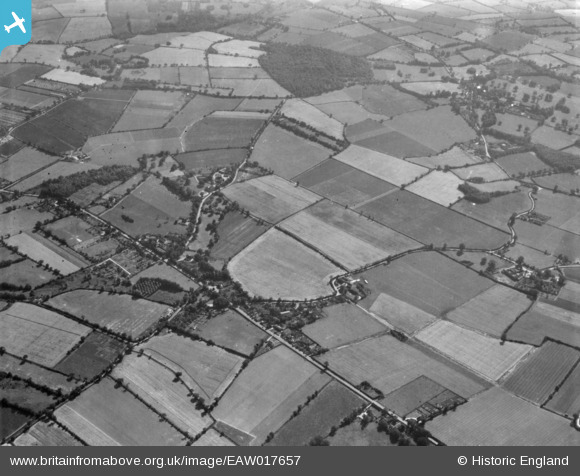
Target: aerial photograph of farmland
291, 223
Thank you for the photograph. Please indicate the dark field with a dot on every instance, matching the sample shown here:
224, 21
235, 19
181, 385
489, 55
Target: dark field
11, 421
211, 158
235, 232
221, 133
24, 73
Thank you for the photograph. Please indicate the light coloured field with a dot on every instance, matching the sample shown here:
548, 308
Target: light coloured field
24, 162
304, 112
37, 251
278, 266
562, 209
439, 187
552, 138
488, 172
251, 87
106, 416
225, 61
44, 54
46, 434
59, 169
175, 57
391, 169
426, 88
496, 418
89, 28
156, 385
246, 48
483, 354
455, 157
270, 197
345, 236
260, 401
347, 112
388, 364
117, 312
192, 76
44, 336
80, 8
537, 377
21, 220
492, 311
207, 369
164, 271
72, 77
400, 314
150, 110
500, 186
213, 438
342, 324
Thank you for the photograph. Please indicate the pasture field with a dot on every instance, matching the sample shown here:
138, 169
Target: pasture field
40, 249
161, 74
235, 232
545, 320
48, 30
232, 331
429, 222
484, 355
153, 192
120, 313
477, 55
332, 404
366, 129
71, 229
19, 74
270, 198
346, 111
565, 401
209, 370
396, 144
552, 138
25, 162
81, 8
497, 211
345, 236
199, 107
548, 238
489, 172
388, 101
531, 256
429, 281
259, 87
492, 311
156, 384
569, 297
513, 421
400, 314
11, 421
211, 158
36, 373
355, 435
226, 61
521, 164
46, 434
382, 166
411, 396
504, 186
563, 210
212, 438
44, 336
221, 133
92, 357
27, 272
426, 88
387, 364
10, 147
149, 110
342, 324
199, 41
564, 182
301, 111
175, 57
57, 169
43, 54
251, 104
107, 416
287, 154
190, 76
439, 187
259, 401
25, 396
26, 99
342, 183
536, 378
163, 271
313, 19
277, 266
341, 44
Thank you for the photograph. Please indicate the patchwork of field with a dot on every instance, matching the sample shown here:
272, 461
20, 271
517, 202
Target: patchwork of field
39, 248
278, 266
428, 222
270, 198
566, 399
24, 162
149, 110
287, 154
548, 238
545, 320
235, 232
46, 434
345, 236
301, 111
232, 331
382, 166
537, 378
259, 401
400, 314
120, 313
492, 311
199, 107
106, 416
332, 404
388, 364
155, 384
428, 281
215, 132
439, 187
208, 370
496, 418
42, 335
342, 324
482, 354
342, 183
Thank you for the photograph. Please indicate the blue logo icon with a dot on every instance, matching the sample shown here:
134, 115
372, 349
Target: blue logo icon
16, 18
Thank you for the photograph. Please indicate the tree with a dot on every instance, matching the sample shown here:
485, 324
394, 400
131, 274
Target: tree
491, 267
318, 441
520, 260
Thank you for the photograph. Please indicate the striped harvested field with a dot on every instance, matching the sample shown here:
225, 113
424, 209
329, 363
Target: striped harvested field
492, 311
213, 438
46, 434
537, 377
401, 314
482, 354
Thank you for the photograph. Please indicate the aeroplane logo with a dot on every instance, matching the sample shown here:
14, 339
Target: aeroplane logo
18, 22
16, 17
